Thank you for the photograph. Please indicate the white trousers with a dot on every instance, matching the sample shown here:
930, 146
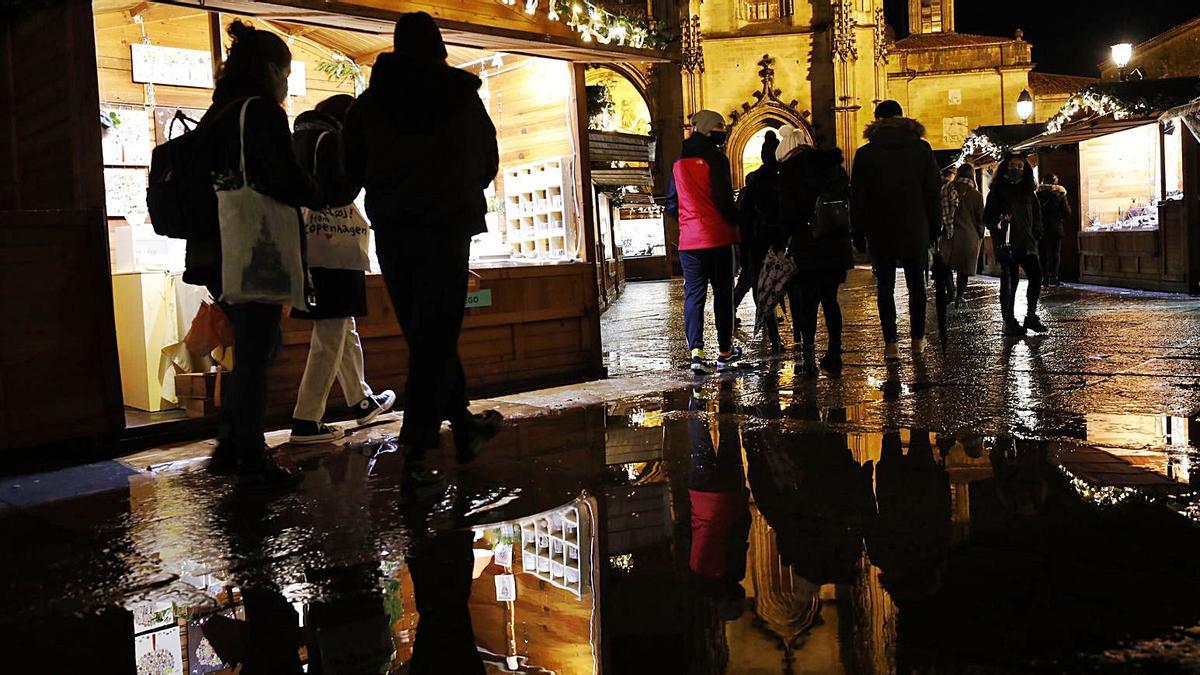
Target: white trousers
334, 352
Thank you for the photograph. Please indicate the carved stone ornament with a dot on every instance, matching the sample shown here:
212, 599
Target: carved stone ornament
693, 46
882, 48
845, 46
768, 95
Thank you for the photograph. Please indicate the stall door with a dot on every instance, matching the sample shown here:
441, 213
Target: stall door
59, 377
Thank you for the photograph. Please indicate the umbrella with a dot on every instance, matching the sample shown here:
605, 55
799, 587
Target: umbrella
777, 272
940, 271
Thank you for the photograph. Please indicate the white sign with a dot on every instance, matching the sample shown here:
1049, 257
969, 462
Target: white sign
954, 96
125, 191
167, 65
128, 141
297, 82
506, 588
955, 130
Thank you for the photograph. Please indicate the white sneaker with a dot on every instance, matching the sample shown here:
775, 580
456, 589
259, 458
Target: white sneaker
918, 347
891, 352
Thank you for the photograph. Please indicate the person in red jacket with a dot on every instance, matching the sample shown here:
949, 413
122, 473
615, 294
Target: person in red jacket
700, 196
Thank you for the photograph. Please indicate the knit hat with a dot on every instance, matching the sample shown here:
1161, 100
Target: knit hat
417, 38
704, 121
790, 138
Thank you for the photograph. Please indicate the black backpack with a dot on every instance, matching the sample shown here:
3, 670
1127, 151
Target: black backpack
176, 190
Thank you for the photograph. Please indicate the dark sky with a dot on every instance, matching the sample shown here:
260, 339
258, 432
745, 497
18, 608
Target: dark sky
1068, 36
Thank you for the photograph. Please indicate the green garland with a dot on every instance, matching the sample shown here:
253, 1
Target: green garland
594, 23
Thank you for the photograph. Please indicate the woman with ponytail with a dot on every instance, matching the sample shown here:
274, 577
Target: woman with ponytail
256, 69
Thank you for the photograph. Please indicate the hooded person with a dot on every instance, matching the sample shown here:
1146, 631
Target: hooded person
425, 169
1013, 214
700, 196
806, 173
1056, 209
895, 214
758, 204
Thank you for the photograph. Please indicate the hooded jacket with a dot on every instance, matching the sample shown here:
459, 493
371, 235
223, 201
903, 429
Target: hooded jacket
420, 141
804, 175
1023, 231
895, 191
700, 196
1055, 208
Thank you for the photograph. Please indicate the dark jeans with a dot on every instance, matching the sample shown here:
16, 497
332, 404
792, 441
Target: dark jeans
746, 281
702, 268
1051, 256
441, 566
885, 295
807, 296
1010, 277
426, 278
955, 291
244, 401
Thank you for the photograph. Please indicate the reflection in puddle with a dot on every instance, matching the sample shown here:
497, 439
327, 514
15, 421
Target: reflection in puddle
739, 526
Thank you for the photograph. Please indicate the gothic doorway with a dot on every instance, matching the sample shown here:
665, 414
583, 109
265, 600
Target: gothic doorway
749, 126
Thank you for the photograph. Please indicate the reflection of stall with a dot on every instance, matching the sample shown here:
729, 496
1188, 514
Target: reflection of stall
1134, 169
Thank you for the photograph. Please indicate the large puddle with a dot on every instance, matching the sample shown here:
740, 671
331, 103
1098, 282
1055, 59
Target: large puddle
735, 527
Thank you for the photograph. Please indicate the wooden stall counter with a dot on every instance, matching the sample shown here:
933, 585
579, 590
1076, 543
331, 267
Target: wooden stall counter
1144, 259
528, 326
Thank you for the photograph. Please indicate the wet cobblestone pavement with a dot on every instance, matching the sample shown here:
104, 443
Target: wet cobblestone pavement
1007, 507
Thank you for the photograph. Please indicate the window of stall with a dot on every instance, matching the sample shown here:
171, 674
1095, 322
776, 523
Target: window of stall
1124, 176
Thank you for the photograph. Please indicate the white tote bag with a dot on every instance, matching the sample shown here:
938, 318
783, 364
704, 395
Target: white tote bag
260, 243
339, 238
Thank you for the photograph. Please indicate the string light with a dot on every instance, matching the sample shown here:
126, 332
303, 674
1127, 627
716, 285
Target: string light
594, 23
531, 6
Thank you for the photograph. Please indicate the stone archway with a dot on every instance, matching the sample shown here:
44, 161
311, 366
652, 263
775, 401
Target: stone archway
767, 111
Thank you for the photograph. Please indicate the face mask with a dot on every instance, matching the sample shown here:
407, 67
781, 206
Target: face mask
1014, 175
279, 83
718, 137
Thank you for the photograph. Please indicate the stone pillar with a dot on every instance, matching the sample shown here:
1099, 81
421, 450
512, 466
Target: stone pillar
845, 64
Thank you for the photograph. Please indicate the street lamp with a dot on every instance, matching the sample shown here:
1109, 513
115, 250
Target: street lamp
1121, 54
1025, 106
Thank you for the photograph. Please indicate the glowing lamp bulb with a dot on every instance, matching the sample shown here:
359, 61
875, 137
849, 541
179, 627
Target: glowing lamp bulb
1121, 54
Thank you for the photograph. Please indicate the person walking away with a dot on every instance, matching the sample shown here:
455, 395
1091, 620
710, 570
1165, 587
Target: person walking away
1056, 209
1014, 217
806, 173
758, 205
425, 168
253, 79
335, 349
895, 214
700, 197
962, 214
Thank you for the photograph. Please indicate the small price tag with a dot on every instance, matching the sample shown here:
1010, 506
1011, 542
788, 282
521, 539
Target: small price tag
503, 555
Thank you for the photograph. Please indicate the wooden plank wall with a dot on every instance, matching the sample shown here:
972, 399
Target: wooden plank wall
530, 106
58, 369
536, 333
183, 28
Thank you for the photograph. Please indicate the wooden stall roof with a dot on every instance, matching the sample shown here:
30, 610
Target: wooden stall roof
480, 24
1078, 133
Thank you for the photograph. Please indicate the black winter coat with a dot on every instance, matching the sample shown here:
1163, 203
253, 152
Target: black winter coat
1055, 208
420, 141
270, 163
803, 176
896, 191
758, 208
1024, 231
339, 293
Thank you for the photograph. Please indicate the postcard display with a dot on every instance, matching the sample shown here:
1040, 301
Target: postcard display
556, 549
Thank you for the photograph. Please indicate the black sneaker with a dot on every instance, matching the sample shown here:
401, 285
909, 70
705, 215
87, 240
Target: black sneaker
808, 356
698, 365
372, 407
472, 432
831, 361
305, 432
1012, 328
1033, 323
728, 361
222, 462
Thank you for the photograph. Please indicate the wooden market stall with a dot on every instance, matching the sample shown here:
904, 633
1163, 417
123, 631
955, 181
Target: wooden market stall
1138, 180
77, 186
